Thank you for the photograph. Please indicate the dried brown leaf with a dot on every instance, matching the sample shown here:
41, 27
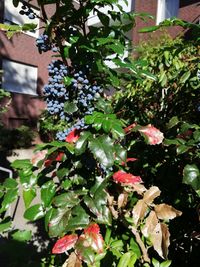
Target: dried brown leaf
139, 211
72, 261
151, 194
152, 230
139, 188
166, 212
122, 200
165, 239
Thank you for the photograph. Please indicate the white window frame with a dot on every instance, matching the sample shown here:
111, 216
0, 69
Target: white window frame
166, 9
19, 78
12, 15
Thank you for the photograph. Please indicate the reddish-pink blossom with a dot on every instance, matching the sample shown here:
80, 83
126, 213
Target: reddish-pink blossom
152, 134
126, 178
73, 136
65, 243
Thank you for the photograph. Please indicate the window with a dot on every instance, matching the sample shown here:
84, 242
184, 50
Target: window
11, 14
19, 78
166, 9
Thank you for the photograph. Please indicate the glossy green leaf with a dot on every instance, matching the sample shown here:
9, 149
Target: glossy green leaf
10, 196
22, 164
67, 200
149, 29
48, 191
34, 212
22, 236
191, 176
173, 122
124, 261
28, 195
79, 219
185, 76
102, 148
5, 224
10, 183
70, 107
81, 144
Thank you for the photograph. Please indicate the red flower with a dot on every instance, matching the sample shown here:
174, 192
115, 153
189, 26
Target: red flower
126, 178
65, 243
152, 134
73, 136
130, 127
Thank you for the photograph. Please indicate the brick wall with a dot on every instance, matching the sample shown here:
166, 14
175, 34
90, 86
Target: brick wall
189, 10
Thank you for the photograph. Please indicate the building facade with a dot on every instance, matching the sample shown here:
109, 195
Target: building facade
25, 70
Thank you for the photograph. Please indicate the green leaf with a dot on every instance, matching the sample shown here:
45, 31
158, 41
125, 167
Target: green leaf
34, 213
182, 149
70, 107
62, 172
67, 200
10, 183
155, 263
173, 122
22, 164
48, 191
185, 76
81, 144
191, 176
22, 236
102, 148
103, 18
117, 130
28, 195
149, 29
5, 224
166, 263
57, 221
10, 196
116, 48
79, 219
124, 261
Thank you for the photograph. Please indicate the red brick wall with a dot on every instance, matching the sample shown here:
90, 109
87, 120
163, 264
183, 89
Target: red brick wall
189, 10
21, 48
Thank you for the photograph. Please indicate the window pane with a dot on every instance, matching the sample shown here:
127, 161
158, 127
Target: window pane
19, 78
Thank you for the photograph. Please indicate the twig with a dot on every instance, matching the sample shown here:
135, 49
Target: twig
141, 244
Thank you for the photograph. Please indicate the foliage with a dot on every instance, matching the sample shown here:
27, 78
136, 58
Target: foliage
172, 104
96, 182
21, 137
175, 92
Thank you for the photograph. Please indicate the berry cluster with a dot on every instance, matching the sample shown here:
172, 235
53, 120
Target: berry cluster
80, 92
55, 91
42, 42
26, 10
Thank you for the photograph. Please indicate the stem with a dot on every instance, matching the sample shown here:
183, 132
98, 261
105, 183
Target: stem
141, 244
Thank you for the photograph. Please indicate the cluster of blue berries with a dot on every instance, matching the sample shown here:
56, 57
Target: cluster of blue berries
55, 91
80, 92
26, 10
42, 42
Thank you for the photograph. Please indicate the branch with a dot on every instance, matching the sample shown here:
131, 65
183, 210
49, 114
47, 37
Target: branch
141, 244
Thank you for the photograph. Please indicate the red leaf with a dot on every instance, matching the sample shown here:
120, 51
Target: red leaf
128, 159
152, 134
73, 136
65, 243
59, 156
130, 127
92, 228
93, 238
48, 162
126, 178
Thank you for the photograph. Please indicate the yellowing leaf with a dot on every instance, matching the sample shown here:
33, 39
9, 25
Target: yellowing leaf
166, 212
139, 211
151, 194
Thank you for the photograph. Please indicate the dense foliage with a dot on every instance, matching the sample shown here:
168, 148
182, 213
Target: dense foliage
97, 182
